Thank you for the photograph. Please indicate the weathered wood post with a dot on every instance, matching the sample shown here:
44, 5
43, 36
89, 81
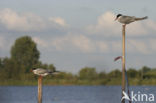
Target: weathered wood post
123, 60
40, 89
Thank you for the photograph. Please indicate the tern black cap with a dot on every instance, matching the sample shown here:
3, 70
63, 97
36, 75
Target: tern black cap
119, 15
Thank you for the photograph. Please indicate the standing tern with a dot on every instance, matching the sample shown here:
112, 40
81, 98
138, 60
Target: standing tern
43, 72
128, 19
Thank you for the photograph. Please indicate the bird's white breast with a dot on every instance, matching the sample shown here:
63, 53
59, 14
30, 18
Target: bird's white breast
126, 19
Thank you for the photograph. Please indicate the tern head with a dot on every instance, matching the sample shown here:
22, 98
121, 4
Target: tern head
31, 70
118, 16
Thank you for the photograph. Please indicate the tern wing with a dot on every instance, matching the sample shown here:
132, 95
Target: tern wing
127, 19
141, 18
41, 71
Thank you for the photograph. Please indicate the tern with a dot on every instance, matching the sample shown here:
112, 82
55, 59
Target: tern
128, 19
43, 72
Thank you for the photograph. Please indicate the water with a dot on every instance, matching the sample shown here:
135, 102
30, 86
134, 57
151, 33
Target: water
68, 94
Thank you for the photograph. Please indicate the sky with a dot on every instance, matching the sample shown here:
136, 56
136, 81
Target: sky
73, 34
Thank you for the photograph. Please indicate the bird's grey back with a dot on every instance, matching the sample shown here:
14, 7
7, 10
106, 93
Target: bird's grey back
127, 19
41, 71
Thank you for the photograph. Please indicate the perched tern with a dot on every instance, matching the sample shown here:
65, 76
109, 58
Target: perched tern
128, 19
43, 72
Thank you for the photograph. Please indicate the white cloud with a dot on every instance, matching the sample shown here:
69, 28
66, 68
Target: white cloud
58, 20
83, 44
28, 21
40, 42
107, 26
139, 46
151, 25
102, 46
77, 42
137, 28
73, 43
115, 46
20, 22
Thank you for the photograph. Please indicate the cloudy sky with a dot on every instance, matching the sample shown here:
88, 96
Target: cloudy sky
73, 34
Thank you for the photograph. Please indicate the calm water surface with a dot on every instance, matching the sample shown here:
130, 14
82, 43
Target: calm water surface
68, 94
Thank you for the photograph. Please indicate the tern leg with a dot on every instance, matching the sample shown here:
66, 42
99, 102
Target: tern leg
40, 77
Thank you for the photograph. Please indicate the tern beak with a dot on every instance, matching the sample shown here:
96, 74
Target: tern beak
31, 70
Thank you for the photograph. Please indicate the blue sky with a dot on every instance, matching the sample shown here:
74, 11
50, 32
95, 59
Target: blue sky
73, 34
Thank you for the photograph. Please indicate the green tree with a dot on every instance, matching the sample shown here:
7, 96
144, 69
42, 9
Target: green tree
144, 70
10, 69
64, 75
1, 65
132, 73
51, 67
102, 75
88, 73
114, 74
25, 52
150, 74
1, 68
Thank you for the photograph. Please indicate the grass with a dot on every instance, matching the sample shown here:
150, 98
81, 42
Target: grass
113, 81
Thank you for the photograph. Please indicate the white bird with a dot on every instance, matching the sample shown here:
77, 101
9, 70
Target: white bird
43, 72
128, 19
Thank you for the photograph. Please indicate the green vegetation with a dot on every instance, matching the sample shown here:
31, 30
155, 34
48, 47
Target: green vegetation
25, 55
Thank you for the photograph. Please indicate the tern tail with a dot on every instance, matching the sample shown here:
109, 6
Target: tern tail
141, 18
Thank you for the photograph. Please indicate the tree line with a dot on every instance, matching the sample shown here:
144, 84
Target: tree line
24, 56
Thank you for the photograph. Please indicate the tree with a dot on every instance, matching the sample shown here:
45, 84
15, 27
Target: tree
1, 68
102, 75
132, 73
88, 73
25, 52
64, 75
114, 74
1, 64
51, 67
145, 69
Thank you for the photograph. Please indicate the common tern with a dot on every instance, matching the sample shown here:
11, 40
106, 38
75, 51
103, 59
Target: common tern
128, 19
43, 72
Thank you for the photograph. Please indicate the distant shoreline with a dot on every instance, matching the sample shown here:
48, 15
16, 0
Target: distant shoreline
73, 83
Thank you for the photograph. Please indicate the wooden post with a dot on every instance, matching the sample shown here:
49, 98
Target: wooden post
123, 60
40, 89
